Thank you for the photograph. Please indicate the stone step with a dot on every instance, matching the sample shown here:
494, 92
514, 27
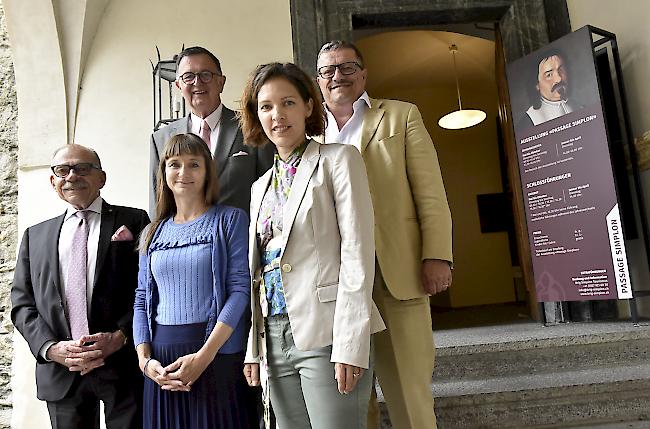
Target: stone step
560, 380
542, 358
626, 424
527, 349
526, 375
622, 404
530, 376
544, 400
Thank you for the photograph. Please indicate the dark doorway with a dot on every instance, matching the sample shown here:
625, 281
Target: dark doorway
526, 25
521, 27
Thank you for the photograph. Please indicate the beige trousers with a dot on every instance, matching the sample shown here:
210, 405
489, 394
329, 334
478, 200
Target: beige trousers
404, 360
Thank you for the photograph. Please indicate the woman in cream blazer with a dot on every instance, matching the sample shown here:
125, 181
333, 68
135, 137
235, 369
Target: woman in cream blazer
312, 324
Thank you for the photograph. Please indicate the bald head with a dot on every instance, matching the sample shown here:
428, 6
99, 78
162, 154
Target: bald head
77, 175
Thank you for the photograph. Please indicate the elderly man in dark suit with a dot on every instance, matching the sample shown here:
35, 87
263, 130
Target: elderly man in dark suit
201, 81
72, 298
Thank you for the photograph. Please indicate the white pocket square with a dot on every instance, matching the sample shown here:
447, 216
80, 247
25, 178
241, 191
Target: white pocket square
240, 153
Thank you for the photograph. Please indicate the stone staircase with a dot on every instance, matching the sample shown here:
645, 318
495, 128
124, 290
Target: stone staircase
525, 375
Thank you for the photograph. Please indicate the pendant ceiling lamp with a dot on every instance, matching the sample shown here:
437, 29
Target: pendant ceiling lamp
461, 118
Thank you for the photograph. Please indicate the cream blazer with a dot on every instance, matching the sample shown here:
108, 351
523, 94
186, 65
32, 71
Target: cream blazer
328, 256
412, 216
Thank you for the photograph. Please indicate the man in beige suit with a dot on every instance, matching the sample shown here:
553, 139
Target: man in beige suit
412, 228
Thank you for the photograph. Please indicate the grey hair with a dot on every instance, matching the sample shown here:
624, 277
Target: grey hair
334, 45
89, 149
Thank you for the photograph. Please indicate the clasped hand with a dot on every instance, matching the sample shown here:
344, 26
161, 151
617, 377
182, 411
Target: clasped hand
179, 375
87, 353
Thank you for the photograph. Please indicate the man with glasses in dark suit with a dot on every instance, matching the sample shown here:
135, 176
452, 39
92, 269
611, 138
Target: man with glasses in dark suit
72, 299
200, 79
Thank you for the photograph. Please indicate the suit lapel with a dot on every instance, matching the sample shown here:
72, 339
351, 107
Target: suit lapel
53, 234
182, 126
53, 251
227, 134
257, 193
106, 229
371, 123
298, 187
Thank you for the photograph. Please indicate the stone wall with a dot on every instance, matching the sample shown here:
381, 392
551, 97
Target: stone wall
8, 214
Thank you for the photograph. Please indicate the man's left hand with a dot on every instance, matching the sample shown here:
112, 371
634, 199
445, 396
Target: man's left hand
106, 342
436, 276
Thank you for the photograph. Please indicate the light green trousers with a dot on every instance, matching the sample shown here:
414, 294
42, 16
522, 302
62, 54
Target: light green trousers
303, 390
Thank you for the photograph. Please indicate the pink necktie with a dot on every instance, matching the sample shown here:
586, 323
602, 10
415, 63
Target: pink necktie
75, 282
205, 133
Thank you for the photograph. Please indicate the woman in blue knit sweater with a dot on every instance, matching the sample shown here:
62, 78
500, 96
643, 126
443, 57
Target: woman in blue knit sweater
191, 307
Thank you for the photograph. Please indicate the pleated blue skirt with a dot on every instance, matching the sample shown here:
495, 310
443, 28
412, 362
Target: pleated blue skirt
217, 397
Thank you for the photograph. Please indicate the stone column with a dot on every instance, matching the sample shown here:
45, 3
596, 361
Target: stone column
8, 214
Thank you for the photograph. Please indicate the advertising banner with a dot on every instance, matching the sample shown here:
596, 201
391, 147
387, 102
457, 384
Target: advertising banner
572, 212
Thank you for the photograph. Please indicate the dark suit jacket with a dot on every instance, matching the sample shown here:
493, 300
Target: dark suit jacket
37, 299
236, 173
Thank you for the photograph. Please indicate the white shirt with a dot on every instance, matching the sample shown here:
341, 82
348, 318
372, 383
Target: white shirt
213, 120
70, 222
350, 133
550, 110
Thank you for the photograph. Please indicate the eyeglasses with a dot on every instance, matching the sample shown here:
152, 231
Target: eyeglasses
81, 169
346, 69
205, 76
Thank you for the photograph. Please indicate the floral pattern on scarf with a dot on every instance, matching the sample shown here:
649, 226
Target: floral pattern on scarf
269, 226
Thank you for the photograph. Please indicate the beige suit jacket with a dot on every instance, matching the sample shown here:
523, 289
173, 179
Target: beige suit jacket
327, 262
412, 217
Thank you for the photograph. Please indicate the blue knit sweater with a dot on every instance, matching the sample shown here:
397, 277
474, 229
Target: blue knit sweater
181, 263
226, 233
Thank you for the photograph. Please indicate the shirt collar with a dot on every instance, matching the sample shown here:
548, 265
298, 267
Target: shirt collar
553, 103
212, 119
363, 99
293, 159
95, 207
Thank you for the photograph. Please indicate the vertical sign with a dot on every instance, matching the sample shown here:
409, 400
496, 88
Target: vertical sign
574, 224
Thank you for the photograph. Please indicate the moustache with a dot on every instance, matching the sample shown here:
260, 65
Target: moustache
558, 86
73, 188
340, 82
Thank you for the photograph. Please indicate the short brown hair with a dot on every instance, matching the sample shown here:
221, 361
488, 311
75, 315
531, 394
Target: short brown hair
250, 123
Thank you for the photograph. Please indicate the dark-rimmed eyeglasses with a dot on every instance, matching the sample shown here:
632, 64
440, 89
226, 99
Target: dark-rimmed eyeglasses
81, 169
346, 69
205, 76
